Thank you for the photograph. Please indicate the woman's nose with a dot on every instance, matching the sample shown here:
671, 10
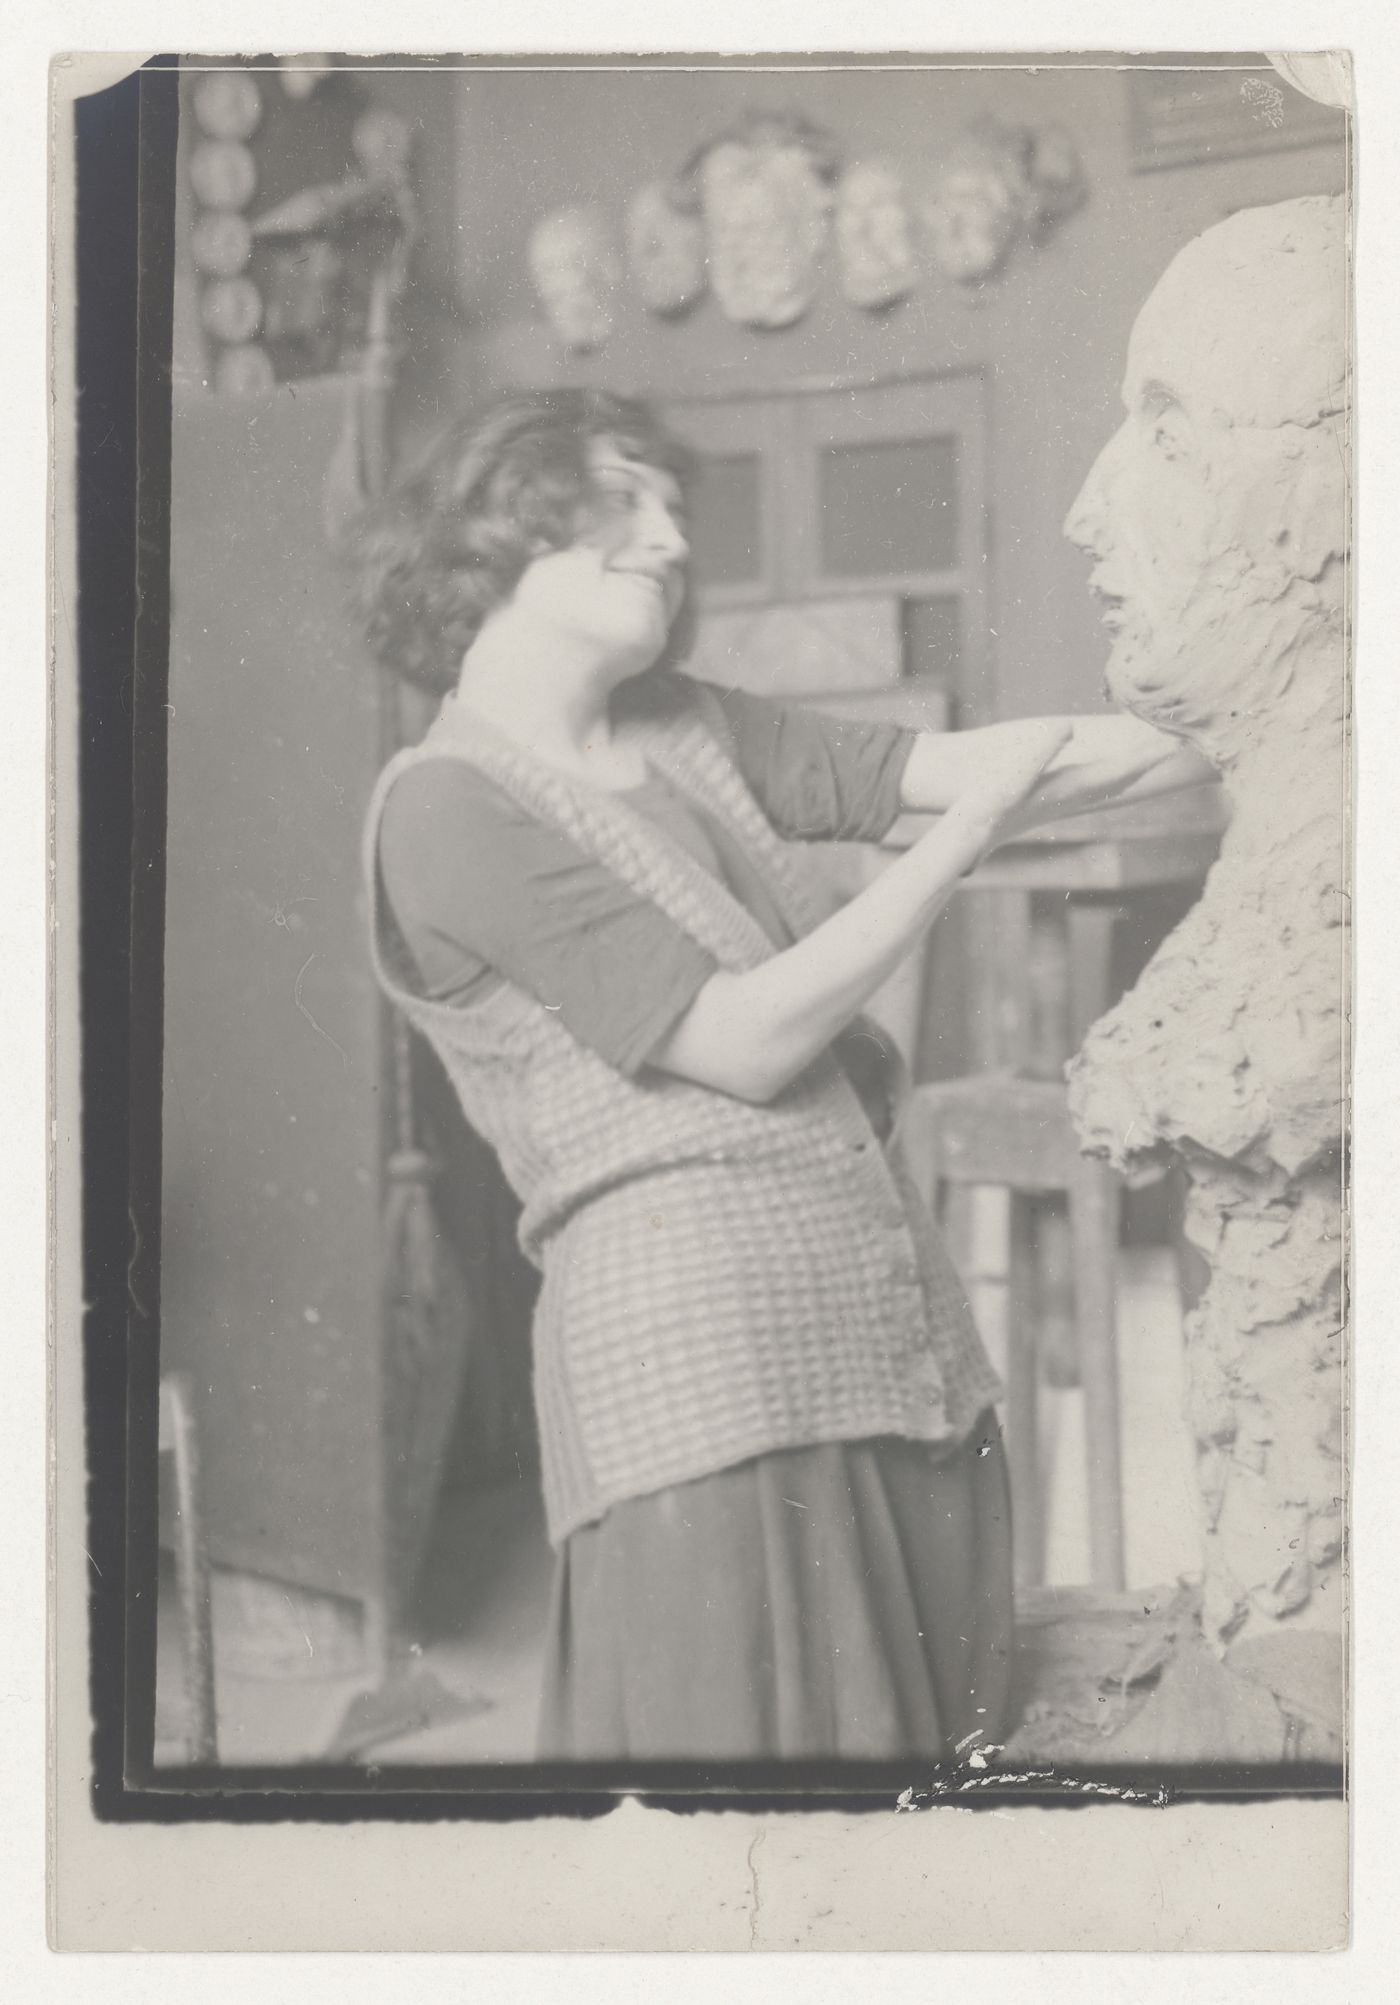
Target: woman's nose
663, 534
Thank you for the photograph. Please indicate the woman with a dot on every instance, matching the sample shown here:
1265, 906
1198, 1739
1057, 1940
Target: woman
772, 1471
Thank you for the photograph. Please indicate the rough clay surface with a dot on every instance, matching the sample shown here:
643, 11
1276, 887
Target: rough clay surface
1230, 1054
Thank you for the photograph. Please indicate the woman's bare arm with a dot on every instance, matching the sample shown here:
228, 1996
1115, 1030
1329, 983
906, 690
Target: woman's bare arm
751, 1034
1103, 760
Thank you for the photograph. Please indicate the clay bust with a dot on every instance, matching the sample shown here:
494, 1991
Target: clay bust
1217, 516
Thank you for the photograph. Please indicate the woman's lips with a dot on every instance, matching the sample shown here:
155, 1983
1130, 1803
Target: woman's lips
662, 584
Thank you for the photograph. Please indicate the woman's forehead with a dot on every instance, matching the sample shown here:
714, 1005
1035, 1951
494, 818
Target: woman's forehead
608, 456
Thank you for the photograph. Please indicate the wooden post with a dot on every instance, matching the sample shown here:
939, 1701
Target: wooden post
1095, 1199
177, 1438
1022, 1396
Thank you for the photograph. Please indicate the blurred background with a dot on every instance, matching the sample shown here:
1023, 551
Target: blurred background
890, 310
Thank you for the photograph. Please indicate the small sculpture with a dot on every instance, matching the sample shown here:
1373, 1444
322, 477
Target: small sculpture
301, 74
244, 371
221, 243
1053, 178
576, 272
223, 174
972, 217
324, 248
227, 104
767, 199
232, 309
873, 236
665, 249
1007, 182
383, 143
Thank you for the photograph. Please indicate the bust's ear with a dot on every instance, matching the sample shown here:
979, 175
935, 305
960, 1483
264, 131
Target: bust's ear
1313, 507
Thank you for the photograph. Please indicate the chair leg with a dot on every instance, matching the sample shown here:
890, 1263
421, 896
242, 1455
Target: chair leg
1095, 1201
191, 1571
957, 1217
1023, 1396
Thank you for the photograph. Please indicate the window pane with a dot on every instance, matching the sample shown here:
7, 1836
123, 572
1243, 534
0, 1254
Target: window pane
890, 509
933, 639
726, 520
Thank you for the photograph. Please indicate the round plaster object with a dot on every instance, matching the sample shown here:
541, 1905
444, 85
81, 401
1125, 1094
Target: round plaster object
232, 309
228, 104
221, 243
223, 174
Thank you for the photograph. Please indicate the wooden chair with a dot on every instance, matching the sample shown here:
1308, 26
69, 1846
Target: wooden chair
177, 1441
1015, 1133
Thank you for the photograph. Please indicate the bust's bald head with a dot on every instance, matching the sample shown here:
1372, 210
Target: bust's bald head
1217, 513
1250, 319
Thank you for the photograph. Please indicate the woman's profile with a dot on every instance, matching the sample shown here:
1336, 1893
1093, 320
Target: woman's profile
773, 1473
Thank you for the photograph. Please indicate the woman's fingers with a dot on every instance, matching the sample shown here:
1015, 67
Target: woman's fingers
1024, 756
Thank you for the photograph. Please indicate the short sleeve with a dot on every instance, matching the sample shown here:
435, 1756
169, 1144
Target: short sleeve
817, 777
479, 888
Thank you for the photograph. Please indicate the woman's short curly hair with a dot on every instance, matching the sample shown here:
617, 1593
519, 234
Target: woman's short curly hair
450, 542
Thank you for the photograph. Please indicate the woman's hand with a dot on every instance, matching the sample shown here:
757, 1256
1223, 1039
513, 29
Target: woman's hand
751, 1034
1001, 785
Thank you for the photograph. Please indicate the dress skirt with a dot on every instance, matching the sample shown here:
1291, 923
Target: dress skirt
851, 1600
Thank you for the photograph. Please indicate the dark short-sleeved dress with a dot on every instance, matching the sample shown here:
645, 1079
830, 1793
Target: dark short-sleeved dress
851, 1599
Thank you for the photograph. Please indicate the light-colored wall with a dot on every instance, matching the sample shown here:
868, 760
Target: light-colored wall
1051, 334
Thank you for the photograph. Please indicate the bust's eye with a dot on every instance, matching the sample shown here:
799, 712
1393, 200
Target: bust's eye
1169, 427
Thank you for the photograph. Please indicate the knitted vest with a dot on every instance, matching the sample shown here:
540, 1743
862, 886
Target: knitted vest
719, 1279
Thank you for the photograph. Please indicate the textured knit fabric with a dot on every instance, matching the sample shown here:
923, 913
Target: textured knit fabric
719, 1279
617, 973
850, 1600
480, 889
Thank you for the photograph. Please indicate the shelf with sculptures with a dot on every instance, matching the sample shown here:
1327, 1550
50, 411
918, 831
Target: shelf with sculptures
753, 216
304, 222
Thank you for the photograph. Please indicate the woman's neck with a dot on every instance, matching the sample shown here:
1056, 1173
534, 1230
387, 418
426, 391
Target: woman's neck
550, 694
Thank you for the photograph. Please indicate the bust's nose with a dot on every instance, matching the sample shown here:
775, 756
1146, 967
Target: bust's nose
1087, 525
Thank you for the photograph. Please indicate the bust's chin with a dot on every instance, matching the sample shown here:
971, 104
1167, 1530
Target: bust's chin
1138, 678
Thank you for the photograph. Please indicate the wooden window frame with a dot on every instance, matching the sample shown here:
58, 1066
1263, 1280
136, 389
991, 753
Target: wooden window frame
790, 428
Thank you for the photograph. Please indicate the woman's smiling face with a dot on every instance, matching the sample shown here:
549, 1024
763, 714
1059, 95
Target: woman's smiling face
621, 582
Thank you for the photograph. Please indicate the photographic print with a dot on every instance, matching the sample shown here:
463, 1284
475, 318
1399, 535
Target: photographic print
731, 1174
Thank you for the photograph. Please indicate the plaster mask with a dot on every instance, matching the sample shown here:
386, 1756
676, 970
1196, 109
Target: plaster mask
872, 235
383, 143
301, 74
767, 213
1057, 179
1216, 514
575, 271
665, 250
971, 220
